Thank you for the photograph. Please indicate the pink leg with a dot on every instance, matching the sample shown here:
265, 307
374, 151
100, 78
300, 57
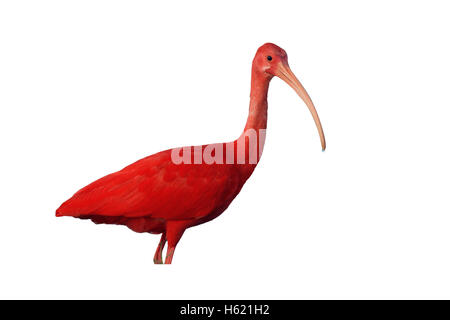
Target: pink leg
157, 259
174, 230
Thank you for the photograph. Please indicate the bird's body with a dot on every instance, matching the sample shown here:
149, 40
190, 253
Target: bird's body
153, 191
161, 194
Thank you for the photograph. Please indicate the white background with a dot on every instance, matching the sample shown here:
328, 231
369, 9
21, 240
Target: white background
87, 87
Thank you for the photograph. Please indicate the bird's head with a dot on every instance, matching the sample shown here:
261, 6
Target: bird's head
271, 60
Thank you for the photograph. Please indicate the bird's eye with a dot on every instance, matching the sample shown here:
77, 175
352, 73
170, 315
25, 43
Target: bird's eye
269, 58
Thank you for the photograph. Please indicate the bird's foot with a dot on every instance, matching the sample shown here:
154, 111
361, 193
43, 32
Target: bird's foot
157, 259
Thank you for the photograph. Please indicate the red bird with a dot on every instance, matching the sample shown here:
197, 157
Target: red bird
176, 189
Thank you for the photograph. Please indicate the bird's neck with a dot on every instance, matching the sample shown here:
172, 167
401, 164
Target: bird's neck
253, 136
257, 115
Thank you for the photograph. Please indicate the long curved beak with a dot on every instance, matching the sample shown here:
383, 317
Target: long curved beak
285, 73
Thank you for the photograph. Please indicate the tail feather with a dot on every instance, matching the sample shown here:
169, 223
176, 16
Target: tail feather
66, 209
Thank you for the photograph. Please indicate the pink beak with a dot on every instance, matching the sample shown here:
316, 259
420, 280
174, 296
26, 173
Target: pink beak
285, 73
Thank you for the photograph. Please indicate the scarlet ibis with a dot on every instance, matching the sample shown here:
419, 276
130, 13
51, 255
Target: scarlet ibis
176, 189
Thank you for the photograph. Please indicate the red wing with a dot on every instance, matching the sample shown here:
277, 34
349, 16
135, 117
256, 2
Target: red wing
156, 187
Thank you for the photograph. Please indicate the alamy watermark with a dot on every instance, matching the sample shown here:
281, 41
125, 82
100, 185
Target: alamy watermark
245, 150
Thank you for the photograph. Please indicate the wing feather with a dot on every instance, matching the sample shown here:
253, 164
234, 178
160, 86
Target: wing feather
155, 187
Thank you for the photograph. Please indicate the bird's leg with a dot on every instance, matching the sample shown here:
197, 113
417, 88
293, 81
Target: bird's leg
174, 230
169, 255
157, 259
